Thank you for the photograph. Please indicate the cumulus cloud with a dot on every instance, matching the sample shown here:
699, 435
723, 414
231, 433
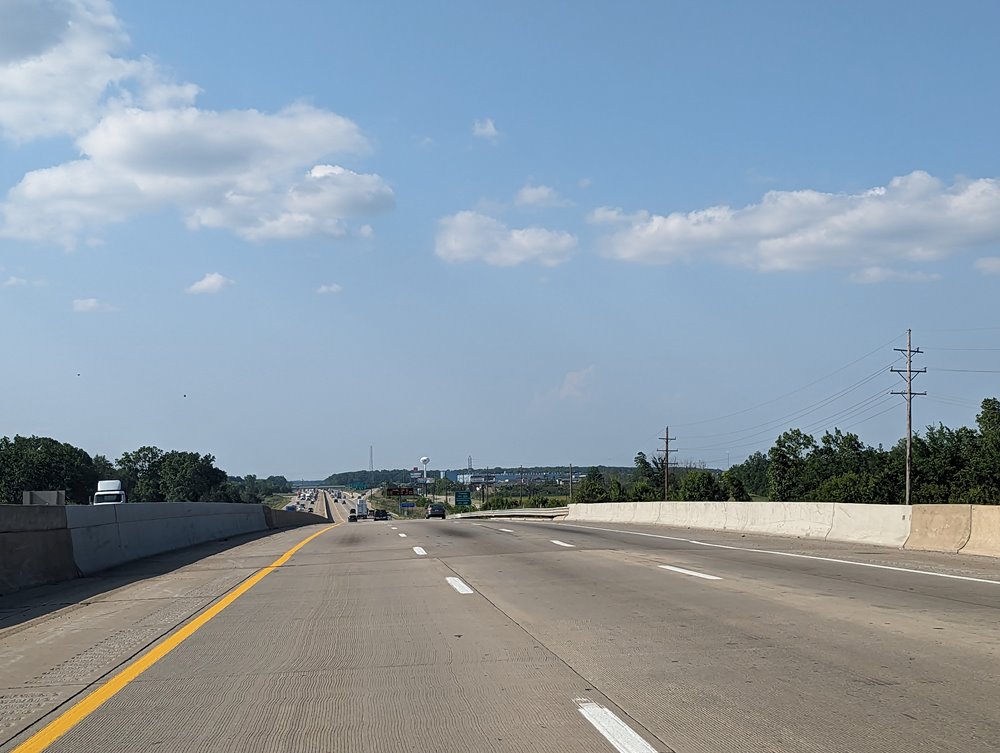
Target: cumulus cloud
91, 305
576, 384
327, 289
539, 196
14, 282
472, 236
144, 145
212, 282
915, 218
873, 275
988, 265
485, 129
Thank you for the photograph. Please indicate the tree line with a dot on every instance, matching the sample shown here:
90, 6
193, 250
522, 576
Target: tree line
148, 474
949, 466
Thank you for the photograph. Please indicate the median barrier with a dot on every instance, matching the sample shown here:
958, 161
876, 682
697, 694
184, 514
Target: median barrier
883, 525
622, 512
290, 518
804, 519
35, 547
940, 528
645, 512
984, 533
710, 515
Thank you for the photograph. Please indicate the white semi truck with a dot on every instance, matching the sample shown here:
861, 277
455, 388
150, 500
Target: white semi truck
362, 508
110, 493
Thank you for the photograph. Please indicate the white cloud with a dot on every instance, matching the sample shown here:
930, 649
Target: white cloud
12, 282
331, 288
539, 196
471, 236
988, 265
585, 183
874, 275
485, 129
91, 305
576, 384
915, 218
145, 146
212, 282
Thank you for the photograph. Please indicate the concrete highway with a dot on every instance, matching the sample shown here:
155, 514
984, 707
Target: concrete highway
443, 636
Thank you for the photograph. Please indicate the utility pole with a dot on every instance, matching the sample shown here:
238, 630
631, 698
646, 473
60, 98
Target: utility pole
371, 466
520, 477
666, 461
908, 373
571, 483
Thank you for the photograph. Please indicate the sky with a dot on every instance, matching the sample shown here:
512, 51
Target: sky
530, 233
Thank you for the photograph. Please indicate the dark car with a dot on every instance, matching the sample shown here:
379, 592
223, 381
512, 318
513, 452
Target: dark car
353, 516
380, 515
436, 511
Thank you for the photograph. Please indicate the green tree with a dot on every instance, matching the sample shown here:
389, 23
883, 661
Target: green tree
592, 488
140, 471
44, 464
732, 485
702, 486
787, 466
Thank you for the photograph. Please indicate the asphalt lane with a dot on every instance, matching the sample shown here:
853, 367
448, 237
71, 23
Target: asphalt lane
515, 636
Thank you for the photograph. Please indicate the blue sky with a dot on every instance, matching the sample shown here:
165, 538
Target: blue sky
528, 232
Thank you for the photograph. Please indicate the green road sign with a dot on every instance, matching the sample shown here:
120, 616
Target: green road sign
463, 498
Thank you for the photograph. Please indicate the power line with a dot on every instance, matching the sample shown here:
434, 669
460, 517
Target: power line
812, 408
968, 371
793, 392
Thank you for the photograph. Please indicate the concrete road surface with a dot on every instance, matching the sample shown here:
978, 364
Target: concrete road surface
441, 636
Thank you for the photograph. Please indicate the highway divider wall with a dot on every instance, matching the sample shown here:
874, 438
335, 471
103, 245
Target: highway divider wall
940, 528
969, 529
35, 547
47, 544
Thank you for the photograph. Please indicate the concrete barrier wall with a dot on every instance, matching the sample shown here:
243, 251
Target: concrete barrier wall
144, 530
811, 520
940, 528
289, 518
888, 525
711, 515
35, 547
885, 525
984, 535
43, 544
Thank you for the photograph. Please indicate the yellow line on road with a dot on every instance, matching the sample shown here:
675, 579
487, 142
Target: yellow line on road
88, 705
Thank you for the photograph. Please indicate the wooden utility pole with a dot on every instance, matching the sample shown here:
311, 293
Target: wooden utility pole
571, 483
666, 462
908, 373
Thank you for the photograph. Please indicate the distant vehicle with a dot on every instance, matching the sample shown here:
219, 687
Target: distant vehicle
292, 507
380, 515
362, 509
353, 516
110, 493
436, 511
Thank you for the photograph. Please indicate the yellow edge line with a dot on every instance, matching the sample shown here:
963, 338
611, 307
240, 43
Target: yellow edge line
87, 706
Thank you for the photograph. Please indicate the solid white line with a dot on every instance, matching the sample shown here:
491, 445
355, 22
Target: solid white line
561, 543
419, 550
459, 586
623, 738
506, 530
690, 572
401, 535
394, 528
790, 554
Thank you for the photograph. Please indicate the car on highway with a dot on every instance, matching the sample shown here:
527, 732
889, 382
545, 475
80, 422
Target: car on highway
292, 507
352, 517
381, 515
435, 511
